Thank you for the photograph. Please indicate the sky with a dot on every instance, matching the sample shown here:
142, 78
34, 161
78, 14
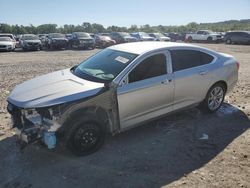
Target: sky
122, 13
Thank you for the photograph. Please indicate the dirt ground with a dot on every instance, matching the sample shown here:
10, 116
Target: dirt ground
188, 149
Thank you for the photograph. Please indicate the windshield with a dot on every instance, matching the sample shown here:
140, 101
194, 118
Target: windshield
144, 34
209, 32
30, 37
159, 35
10, 36
5, 39
82, 34
123, 34
104, 66
56, 35
105, 38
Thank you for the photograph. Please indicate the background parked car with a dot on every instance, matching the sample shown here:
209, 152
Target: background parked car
142, 36
17, 37
103, 41
10, 36
174, 36
56, 41
81, 40
68, 36
122, 37
159, 37
7, 44
237, 37
204, 35
30, 42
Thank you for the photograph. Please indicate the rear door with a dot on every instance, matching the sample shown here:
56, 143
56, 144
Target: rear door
192, 76
147, 90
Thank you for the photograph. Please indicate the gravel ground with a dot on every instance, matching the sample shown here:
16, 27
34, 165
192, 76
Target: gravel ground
168, 152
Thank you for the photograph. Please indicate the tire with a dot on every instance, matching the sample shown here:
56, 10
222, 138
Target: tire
190, 39
228, 41
209, 39
85, 136
214, 98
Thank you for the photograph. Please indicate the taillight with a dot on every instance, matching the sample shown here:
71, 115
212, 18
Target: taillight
238, 65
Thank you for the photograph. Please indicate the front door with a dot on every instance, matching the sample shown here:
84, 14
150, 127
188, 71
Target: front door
148, 92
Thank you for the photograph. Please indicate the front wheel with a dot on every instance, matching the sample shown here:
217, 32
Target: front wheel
209, 39
86, 137
228, 41
214, 98
190, 39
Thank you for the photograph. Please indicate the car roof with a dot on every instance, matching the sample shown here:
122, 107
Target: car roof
239, 31
143, 47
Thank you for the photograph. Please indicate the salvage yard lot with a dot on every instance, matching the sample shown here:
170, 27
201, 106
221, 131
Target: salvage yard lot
187, 149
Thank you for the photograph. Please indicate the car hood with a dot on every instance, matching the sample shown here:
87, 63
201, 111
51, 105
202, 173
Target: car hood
130, 38
85, 38
214, 34
165, 38
6, 43
59, 39
52, 89
145, 37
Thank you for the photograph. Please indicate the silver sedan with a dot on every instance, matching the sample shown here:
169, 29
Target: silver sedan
118, 88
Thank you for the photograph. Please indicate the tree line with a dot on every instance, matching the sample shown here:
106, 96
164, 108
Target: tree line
98, 28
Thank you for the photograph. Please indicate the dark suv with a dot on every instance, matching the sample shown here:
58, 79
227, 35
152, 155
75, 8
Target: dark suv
237, 37
56, 41
81, 40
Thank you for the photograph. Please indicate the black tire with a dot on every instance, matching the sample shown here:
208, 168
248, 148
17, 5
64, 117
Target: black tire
85, 136
205, 104
190, 39
209, 39
228, 41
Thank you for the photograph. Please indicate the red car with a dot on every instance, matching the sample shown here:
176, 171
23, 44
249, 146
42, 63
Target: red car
104, 41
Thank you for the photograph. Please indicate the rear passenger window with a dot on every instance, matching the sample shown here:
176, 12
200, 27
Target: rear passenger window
184, 59
149, 68
205, 58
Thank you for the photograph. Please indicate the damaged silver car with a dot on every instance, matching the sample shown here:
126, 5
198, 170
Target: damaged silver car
116, 89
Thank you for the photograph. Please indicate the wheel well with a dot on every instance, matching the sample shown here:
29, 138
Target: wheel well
221, 82
99, 113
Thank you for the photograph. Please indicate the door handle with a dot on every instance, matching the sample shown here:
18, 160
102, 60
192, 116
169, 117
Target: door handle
166, 81
203, 73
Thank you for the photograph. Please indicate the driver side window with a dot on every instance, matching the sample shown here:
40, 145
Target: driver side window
150, 67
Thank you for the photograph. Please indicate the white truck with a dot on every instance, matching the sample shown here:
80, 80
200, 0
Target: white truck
204, 35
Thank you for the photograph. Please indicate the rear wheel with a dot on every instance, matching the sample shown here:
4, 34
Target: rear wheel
85, 137
214, 98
